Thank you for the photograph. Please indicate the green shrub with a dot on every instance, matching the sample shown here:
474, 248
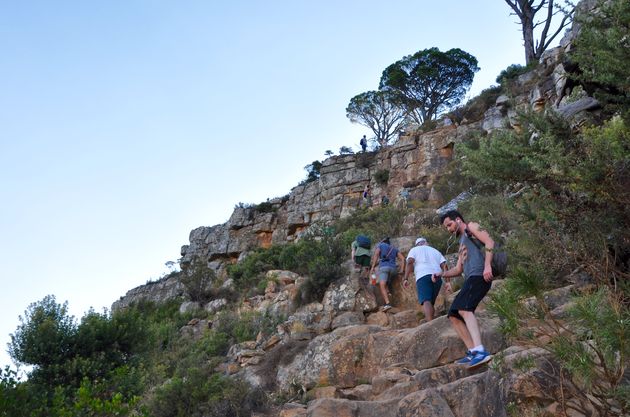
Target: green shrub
250, 271
603, 54
204, 394
381, 176
511, 72
312, 172
365, 159
377, 223
475, 108
265, 207
198, 279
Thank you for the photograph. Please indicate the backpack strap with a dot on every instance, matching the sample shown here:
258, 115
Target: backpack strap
472, 238
386, 257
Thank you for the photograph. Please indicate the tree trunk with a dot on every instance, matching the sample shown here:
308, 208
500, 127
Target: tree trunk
527, 23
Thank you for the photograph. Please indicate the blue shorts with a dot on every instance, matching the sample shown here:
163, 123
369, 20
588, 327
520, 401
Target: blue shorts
386, 272
427, 289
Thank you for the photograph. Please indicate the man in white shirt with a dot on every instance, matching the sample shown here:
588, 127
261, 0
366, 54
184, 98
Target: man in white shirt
426, 261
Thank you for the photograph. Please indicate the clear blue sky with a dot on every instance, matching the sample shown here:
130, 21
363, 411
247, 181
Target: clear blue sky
126, 124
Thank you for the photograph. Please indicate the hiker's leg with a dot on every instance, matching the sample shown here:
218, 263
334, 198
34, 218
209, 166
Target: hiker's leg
472, 326
428, 310
383, 286
462, 331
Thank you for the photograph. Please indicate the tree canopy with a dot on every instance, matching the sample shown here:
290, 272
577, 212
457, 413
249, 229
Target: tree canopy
376, 110
429, 81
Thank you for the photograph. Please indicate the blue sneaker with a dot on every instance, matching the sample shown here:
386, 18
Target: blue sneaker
466, 359
479, 359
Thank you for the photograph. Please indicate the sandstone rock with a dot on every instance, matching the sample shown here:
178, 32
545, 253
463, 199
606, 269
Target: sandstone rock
388, 378
361, 392
284, 277
347, 294
478, 395
427, 403
195, 328
404, 319
189, 307
323, 392
215, 305
352, 354
453, 204
271, 342
493, 119
330, 359
379, 318
327, 407
293, 410
502, 100
571, 110
157, 292
347, 319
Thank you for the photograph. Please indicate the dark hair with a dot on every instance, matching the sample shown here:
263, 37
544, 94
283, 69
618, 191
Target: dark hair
451, 214
386, 240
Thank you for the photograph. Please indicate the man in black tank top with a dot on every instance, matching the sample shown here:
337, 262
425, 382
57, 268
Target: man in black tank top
475, 264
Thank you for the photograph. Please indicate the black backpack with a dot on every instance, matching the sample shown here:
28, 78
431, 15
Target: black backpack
499, 256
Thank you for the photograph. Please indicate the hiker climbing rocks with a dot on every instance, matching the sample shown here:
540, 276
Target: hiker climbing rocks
403, 198
386, 255
361, 255
475, 263
367, 196
425, 261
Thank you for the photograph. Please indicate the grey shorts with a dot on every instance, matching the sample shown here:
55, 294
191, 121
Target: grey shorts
386, 273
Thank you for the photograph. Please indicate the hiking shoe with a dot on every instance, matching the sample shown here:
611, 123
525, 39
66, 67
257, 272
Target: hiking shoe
386, 307
466, 359
479, 359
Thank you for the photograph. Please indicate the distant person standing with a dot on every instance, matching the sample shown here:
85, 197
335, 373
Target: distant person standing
386, 255
425, 261
363, 143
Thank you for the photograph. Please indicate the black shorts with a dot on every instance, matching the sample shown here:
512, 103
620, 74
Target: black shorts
469, 297
363, 260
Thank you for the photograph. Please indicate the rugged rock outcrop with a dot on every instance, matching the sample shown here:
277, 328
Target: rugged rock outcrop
368, 364
414, 162
344, 357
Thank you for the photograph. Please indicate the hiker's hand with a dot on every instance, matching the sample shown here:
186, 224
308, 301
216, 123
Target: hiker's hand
487, 274
448, 287
435, 277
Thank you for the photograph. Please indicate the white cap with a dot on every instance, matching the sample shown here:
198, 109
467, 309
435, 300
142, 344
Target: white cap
421, 241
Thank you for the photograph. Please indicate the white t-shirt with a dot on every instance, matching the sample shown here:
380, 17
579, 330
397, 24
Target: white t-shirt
427, 260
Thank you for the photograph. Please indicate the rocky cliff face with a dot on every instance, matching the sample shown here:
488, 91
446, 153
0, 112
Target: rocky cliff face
413, 162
